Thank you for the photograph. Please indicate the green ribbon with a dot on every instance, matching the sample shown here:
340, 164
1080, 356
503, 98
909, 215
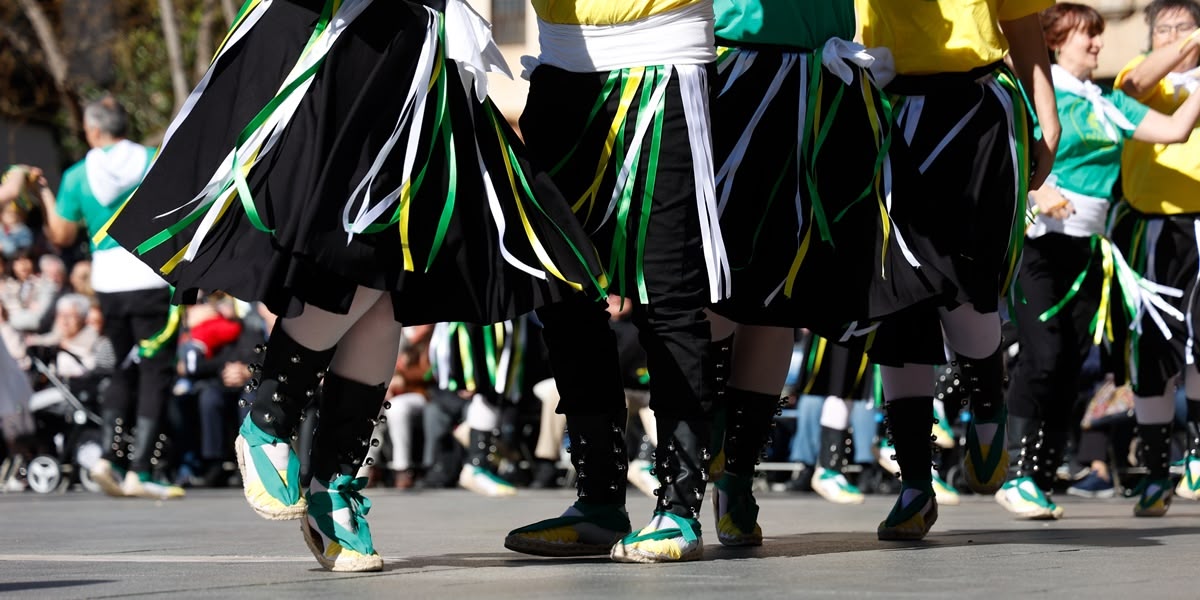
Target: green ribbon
441, 128
1073, 291
986, 467
238, 178
489, 353
443, 226
903, 512
614, 78
601, 289
688, 529
344, 492
648, 193
154, 344
287, 492
815, 97
620, 241
1021, 140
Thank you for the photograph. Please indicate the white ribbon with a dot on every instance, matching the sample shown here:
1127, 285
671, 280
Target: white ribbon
1187, 80
470, 45
413, 110
839, 54
694, 89
266, 136
883, 68
1107, 113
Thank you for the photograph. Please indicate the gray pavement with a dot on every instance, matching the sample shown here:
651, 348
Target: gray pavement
448, 544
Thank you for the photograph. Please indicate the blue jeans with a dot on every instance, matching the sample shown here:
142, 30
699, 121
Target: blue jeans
806, 444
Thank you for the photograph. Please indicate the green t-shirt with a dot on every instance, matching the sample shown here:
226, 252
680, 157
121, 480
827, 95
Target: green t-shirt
805, 24
1088, 161
77, 200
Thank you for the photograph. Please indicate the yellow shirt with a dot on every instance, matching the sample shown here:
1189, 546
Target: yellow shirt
604, 12
941, 36
1161, 178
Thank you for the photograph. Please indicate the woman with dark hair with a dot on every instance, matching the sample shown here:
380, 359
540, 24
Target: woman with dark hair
1161, 232
1067, 270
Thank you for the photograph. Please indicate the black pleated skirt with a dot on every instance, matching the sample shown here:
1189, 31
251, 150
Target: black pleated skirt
477, 234
803, 212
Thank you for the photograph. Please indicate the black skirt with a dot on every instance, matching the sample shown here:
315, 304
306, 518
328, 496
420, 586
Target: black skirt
960, 158
475, 234
801, 186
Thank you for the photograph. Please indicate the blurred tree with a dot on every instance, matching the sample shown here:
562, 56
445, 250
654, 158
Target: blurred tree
56, 54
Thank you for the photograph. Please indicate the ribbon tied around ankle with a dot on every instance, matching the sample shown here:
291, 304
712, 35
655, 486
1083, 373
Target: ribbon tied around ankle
344, 492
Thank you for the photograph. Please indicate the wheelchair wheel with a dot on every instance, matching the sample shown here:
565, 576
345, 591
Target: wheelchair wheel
43, 474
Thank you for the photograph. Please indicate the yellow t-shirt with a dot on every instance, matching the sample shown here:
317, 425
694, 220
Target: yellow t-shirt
941, 36
1161, 178
603, 12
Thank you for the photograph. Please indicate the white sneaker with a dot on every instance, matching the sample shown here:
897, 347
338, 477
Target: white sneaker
1023, 498
1189, 484
484, 482
134, 486
946, 495
832, 486
640, 477
887, 458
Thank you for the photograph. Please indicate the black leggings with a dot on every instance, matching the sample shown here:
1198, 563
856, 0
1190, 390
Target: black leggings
1045, 382
140, 388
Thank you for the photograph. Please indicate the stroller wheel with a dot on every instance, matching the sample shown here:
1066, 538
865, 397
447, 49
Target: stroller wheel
87, 452
44, 474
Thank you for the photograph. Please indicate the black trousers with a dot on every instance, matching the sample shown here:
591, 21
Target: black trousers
557, 123
1045, 382
140, 388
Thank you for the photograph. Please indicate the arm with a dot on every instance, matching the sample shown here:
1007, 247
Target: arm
59, 231
1158, 128
1031, 63
13, 183
1142, 79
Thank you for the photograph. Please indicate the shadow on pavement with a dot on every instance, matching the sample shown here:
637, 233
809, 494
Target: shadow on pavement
21, 586
811, 544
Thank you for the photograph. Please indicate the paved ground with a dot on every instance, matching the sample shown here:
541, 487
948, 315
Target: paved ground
449, 544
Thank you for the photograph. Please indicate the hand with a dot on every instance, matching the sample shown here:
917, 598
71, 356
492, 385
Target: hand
1052, 204
13, 184
235, 374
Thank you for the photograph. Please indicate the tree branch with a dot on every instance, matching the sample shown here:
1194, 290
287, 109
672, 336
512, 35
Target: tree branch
56, 62
204, 38
170, 26
21, 43
229, 10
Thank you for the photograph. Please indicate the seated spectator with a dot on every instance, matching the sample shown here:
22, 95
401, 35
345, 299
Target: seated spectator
406, 401
81, 278
53, 276
215, 357
15, 235
26, 296
72, 348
